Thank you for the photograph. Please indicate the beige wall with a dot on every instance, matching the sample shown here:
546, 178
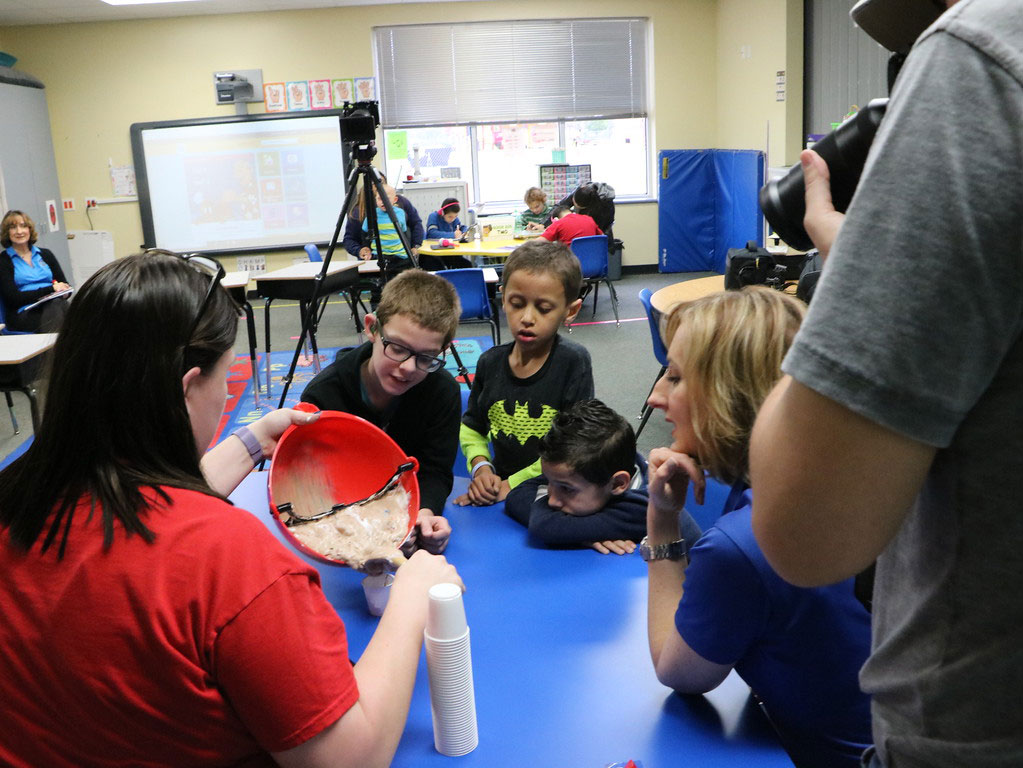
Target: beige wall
755, 40
101, 77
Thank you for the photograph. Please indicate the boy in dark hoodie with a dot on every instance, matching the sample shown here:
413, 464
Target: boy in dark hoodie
593, 490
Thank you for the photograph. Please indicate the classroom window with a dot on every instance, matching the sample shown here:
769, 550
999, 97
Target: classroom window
497, 99
508, 155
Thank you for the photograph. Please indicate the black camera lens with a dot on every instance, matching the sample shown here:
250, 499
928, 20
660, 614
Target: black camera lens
845, 151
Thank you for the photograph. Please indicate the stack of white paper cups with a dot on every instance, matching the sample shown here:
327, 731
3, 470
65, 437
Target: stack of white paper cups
449, 662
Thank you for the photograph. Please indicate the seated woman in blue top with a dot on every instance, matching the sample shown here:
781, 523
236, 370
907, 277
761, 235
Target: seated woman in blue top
27, 274
800, 650
444, 221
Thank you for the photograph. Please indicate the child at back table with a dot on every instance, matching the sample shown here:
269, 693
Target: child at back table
534, 219
444, 221
593, 490
567, 226
521, 386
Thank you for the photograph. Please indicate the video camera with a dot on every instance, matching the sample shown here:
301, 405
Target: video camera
359, 121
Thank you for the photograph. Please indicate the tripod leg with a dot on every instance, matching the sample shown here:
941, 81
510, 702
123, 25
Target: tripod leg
309, 317
266, 331
463, 372
10, 409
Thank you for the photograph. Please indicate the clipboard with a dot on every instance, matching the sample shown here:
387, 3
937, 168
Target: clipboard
49, 297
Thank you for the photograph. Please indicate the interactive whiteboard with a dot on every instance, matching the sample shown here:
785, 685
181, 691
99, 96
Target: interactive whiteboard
241, 183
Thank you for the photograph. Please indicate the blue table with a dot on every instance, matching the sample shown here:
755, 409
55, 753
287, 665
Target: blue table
560, 661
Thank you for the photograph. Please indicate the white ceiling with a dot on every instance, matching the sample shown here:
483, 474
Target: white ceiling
16, 12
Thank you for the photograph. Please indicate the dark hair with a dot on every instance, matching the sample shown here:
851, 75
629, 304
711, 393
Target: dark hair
115, 420
8, 221
592, 440
450, 205
560, 210
542, 257
586, 196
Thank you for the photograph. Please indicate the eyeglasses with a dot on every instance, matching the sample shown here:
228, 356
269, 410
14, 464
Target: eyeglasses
215, 271
204, 265
399, 353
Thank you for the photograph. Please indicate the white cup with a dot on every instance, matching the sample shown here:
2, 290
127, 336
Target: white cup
446, 617
377, 589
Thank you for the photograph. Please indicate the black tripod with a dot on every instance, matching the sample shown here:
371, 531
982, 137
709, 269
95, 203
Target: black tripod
389, 267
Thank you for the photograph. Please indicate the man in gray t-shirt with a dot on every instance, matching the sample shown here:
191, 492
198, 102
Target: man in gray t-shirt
898, 431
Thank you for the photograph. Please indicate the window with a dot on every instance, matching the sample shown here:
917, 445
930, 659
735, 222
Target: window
491, 101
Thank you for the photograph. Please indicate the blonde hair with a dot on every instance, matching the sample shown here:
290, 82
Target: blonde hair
360, 194
8, 223
535, 195
427, 299
734, 345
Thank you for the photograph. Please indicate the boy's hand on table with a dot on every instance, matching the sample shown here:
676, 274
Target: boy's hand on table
432, 532
503, 492
617, 546
484, 490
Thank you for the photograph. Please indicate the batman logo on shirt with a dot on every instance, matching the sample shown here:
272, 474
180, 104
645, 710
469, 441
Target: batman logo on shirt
519, 424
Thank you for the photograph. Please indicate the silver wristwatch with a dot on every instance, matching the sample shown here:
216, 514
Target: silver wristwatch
676, 550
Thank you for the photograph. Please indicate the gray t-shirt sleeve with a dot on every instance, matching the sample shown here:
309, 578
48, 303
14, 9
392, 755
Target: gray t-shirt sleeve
921, 296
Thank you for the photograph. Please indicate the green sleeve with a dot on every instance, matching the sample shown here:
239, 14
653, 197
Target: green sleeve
473, 444
527, 473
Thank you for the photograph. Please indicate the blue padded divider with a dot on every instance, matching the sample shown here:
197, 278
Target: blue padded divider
707, 203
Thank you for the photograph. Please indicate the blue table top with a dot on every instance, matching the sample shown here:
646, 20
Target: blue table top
561, 667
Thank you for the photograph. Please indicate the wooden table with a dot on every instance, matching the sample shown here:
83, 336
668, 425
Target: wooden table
687, 290
296, 283
15, 350
237, 284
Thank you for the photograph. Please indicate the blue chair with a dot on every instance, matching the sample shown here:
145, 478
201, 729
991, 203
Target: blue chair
660, 352
472, 293
592, 254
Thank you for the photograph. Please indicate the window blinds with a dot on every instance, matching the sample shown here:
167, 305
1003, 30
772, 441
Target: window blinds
511, 71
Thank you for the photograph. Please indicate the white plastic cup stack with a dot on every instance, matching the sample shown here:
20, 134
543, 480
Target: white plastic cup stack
449, 663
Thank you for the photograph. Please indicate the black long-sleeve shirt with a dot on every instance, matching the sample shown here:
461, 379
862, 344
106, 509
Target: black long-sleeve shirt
424, 422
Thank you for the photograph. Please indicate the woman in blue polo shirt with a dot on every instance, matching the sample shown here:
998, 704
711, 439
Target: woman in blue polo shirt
27, 274
800, 650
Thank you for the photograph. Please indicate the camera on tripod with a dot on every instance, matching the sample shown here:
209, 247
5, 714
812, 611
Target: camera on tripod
359, 121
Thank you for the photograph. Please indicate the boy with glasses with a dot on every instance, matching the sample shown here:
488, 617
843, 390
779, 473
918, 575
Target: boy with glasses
397, 381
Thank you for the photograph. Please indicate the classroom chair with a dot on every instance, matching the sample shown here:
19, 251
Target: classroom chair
660, 352
472, 293
592, 254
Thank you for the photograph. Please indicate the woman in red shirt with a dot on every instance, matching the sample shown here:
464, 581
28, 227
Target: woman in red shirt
147, 621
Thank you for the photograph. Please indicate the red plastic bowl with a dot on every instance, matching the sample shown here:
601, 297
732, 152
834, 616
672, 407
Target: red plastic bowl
355, 457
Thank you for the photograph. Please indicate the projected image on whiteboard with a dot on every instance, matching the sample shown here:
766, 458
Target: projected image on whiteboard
244, 185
